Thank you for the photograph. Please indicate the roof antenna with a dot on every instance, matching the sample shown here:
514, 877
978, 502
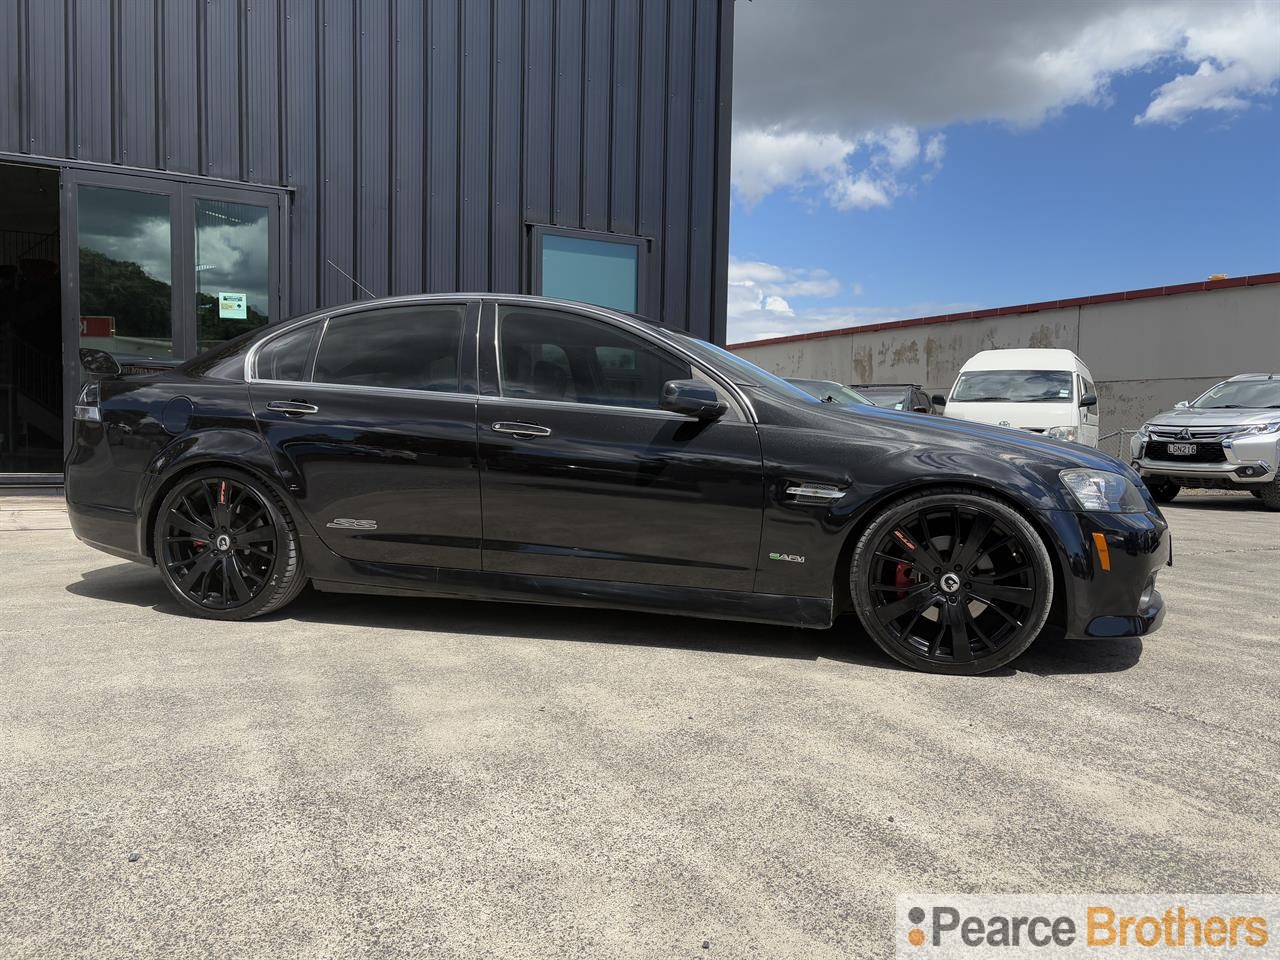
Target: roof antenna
351, 278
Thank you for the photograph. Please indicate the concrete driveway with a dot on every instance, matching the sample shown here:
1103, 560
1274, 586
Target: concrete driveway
374, 777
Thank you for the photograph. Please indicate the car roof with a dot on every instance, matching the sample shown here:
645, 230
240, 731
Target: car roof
1020, 358
1254, 376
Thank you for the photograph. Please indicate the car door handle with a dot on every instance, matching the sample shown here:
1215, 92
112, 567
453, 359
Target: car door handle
522, 430
295, 407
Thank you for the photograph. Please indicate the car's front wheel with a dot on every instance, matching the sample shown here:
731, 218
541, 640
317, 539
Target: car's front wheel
1163, 491
952, 582
226, 546
1270, 495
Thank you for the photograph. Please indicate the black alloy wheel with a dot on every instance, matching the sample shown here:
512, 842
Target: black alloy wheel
226, 547
952, 582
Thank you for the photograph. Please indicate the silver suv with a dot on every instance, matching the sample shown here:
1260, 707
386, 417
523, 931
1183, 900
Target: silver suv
1228, 439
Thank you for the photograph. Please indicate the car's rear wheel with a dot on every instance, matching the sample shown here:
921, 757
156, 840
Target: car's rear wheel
226, 546
952, 582
1163, 491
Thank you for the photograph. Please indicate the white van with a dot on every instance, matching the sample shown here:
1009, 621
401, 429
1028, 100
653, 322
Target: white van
1045, 391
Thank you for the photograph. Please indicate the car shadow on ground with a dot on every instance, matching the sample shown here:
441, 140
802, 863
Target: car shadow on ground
846, 642
1231, 502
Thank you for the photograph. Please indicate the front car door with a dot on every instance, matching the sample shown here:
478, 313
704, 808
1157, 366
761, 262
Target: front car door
1089, 419
583, 476
370, 415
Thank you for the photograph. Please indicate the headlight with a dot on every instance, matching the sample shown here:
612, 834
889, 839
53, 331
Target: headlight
1144, 433
1103, 491
1062, 433
1272, 427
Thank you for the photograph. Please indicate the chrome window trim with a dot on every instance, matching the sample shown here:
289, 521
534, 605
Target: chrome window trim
360, 306
490, 300
363, 388
653, 412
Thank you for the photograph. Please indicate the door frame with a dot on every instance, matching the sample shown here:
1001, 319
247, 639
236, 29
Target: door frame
182, 194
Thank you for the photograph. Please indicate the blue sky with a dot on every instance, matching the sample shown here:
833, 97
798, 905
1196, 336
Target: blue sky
1146, 169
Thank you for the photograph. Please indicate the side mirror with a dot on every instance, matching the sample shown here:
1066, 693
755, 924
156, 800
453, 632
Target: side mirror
919, 409
1181, 404
939, 400
1089, 400
99, 363
693, 399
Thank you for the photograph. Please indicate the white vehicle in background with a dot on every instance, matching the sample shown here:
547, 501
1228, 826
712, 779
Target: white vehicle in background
1042, 390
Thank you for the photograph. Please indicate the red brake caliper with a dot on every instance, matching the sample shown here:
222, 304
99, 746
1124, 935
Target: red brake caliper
902, 572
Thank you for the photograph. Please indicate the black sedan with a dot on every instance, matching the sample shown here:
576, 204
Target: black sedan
522, 449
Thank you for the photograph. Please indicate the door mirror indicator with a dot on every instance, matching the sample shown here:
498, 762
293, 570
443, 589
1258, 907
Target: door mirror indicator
693, 399
920, 409
1089, 400
939, 400
99, 363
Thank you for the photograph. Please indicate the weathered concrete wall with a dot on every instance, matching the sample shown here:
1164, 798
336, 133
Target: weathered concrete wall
1145, 354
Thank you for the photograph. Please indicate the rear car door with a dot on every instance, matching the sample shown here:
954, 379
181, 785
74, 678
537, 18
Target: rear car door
370, 415
584, 476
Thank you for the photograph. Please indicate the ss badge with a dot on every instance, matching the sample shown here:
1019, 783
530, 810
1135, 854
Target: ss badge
347, 523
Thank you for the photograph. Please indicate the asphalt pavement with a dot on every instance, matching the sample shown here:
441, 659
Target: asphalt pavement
384, 777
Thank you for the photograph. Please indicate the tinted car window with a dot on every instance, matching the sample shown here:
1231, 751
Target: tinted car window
409, 348
286, 357
546, 355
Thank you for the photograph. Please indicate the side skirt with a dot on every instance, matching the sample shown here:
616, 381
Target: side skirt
404, 580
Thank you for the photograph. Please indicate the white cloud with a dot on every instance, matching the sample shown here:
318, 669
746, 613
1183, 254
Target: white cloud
855, 174
759, 291
1236, 61
936, 149
761, 303
863, 79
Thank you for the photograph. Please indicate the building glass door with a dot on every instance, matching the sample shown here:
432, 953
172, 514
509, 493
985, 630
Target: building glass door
31, 394
232, 269
154, 270
125, 260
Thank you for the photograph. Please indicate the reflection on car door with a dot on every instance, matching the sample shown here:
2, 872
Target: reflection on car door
371, 414
584, 476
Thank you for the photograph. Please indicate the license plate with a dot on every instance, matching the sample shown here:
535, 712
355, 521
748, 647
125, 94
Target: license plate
1182, 449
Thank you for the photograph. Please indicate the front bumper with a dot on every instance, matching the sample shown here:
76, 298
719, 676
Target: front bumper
1121, 601
1243, 475
1250, 461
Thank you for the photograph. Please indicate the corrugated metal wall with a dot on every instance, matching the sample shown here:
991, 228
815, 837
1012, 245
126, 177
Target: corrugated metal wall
420, 136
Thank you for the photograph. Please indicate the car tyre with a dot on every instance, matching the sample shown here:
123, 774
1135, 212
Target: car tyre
227, 546
952, 581
1270, 495
1163, 491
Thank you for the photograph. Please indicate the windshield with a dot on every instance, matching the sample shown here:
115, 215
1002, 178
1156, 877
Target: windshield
741, 372
1013, 386
894, 398
1256, 394
823, 389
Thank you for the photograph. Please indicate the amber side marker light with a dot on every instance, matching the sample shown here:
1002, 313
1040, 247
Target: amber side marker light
1104, 552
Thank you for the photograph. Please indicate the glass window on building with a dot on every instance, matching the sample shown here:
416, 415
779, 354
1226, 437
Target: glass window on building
594, 269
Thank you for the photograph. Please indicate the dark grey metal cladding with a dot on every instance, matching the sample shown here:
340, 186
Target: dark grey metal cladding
420, 138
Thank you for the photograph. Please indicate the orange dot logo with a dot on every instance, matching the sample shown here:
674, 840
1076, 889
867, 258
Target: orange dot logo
916, 936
